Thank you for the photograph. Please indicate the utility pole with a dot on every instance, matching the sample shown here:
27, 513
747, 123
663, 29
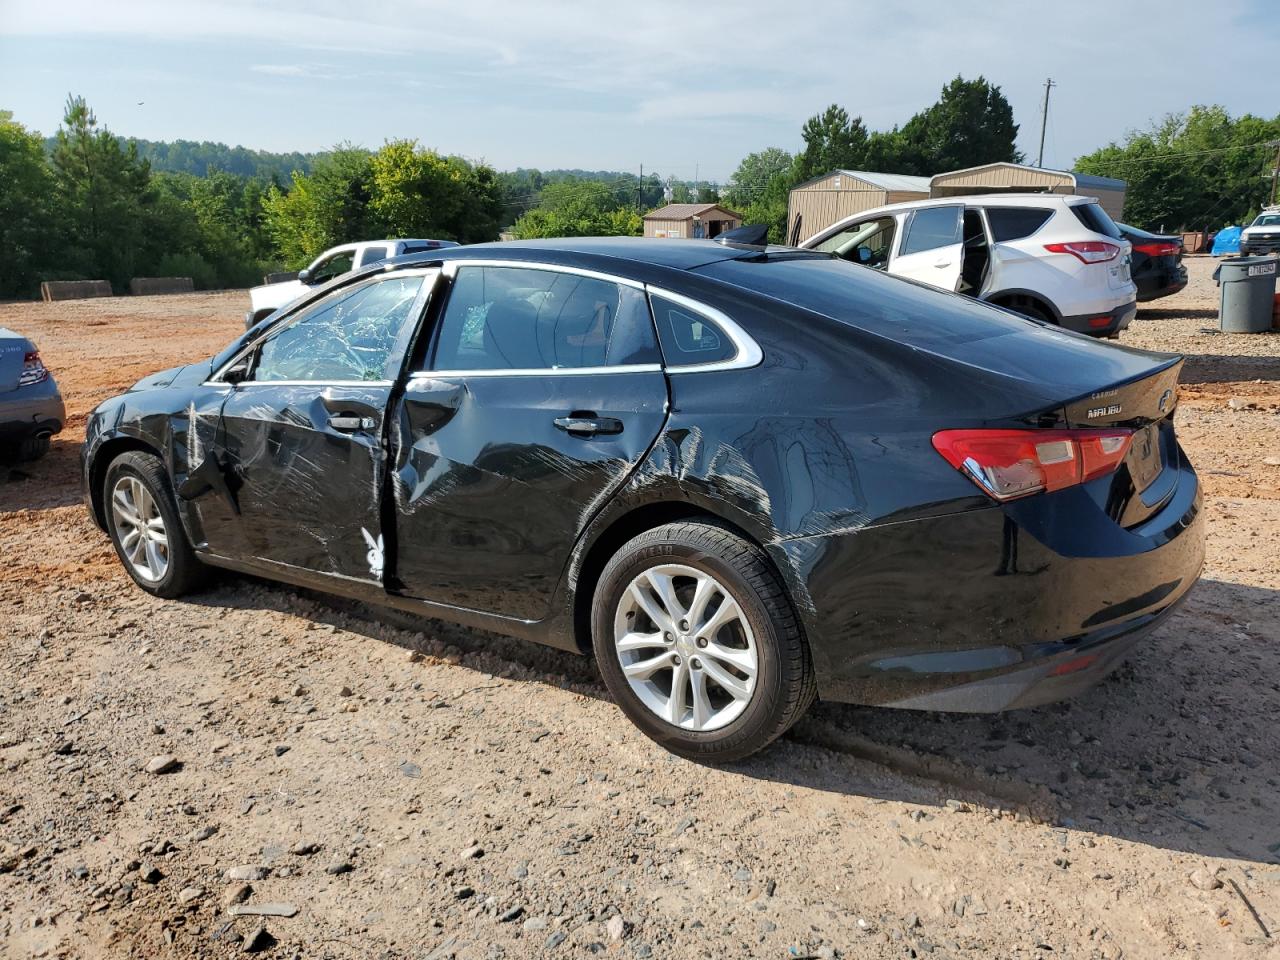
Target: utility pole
1044, 119
640, 192
1275, 174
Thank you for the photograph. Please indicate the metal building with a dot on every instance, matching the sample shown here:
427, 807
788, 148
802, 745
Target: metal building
690, 221
1016, 178
818, 203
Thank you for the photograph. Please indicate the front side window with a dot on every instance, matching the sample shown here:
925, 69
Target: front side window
688, 338
333, 266
525, 318
867, 243
931, 228
350, 335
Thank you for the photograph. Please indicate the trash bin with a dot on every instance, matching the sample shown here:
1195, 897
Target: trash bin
1248, 293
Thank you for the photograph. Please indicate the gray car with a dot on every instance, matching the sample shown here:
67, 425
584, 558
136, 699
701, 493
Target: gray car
31, 409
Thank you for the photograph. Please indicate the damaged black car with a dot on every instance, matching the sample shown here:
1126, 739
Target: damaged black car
744, 477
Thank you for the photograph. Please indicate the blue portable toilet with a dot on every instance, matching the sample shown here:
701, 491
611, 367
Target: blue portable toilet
1227, 241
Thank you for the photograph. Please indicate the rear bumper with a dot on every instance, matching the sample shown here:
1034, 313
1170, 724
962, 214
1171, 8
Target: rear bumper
1160, 284
991, 608
1116, 319
33, 410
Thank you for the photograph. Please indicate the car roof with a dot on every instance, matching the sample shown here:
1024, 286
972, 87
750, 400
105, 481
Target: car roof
603, 253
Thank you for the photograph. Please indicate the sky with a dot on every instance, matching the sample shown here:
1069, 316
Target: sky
684, 89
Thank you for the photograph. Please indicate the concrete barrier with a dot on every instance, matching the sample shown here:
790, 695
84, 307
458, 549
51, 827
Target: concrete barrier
149, 286
74, 289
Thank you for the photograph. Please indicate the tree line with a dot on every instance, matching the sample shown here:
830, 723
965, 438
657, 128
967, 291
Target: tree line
87, 203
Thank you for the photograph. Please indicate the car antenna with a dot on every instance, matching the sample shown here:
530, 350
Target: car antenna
752, 235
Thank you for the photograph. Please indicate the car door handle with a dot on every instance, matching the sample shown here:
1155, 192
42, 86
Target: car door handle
588, 425
942, 263
348, 423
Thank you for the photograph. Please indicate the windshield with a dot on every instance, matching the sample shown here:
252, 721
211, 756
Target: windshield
1268, 220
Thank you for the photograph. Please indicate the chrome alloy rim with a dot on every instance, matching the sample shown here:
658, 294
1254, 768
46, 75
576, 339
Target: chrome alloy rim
685, 647
139, 529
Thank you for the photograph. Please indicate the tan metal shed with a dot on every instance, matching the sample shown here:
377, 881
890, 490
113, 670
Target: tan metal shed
1017, 178
818, 203
690, 220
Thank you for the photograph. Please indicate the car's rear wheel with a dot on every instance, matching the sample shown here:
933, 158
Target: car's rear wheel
33, 448
145, 529
698, 643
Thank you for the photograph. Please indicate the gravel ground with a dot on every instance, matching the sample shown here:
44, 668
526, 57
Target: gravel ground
258, 770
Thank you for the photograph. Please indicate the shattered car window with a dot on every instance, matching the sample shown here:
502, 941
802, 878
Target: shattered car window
348, 336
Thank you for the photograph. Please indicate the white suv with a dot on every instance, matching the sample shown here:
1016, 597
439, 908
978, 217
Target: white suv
1263, 235
334, 262
1055, 258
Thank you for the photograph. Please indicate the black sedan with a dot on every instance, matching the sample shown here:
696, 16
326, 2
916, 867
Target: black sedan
1156, 263
745, 477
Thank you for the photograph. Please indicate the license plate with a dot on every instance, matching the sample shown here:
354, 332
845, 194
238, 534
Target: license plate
1145, 461
1262, 269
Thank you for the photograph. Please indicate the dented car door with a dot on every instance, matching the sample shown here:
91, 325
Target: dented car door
302, 428
542, 390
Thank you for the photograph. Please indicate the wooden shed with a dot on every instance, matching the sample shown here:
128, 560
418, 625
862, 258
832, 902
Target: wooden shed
690, 221
818, 203
1017, 178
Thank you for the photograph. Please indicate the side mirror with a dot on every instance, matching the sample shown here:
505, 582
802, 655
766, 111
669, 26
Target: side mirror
239, 372
304, 275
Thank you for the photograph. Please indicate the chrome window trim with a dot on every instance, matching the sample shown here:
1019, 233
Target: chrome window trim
748, 353
451, 267
302, 383
538, 371
416, 310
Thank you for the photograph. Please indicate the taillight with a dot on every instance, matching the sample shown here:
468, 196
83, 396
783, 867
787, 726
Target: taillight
33, 370
1158, 249
1008, 464
1086, 251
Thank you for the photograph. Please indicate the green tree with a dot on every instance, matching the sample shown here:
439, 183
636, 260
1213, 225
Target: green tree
30, 232
832, 141
580, 208
750, 182
105, 192
327, 207
1200, 169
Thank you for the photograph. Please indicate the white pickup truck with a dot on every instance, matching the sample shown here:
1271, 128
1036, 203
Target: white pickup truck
268, 298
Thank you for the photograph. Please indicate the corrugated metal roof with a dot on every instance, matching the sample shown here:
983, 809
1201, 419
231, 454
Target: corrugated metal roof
1081, 179
888, 181
683, 211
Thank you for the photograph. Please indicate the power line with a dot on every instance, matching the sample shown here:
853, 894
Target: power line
1195, 153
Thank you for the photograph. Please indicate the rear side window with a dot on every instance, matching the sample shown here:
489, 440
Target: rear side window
930, 228
374, 255
1015, 223
1094, 218
689, 338
520, 318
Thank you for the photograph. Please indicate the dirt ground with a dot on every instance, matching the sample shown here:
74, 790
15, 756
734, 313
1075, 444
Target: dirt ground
402, 789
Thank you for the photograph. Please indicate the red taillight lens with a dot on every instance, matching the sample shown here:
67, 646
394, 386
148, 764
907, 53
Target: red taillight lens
33, 370
1008, 464
1158, 249
1086, 251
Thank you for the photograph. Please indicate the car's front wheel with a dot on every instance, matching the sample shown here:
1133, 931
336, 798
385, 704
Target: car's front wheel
698, 643
144, 526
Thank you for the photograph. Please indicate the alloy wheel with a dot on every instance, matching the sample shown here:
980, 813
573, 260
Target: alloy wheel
139, 529
685, 647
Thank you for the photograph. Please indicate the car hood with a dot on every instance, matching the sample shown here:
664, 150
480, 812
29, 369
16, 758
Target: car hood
1267, 231
189, 374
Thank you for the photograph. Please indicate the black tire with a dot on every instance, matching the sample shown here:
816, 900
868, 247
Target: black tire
785, 685
1028, 308
185, 572
33, 448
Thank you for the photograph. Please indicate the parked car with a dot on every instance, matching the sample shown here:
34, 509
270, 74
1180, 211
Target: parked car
31, 409
744, 476
1060, 259
334, 262
1156, 263
1263, 235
